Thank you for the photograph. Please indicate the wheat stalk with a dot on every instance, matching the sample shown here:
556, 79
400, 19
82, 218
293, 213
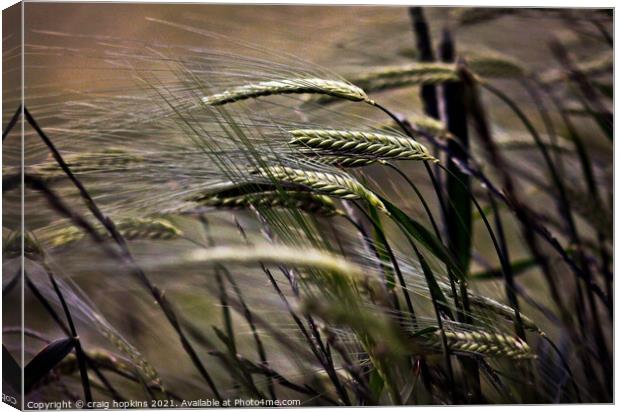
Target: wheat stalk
288, 199
482, 343
333, 88
130, 229
332, 184
372, 146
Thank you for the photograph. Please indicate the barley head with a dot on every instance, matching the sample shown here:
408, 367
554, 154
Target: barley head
415, 74
288, 199
483, 343
348, 145
333, 88
130, 229
332, 184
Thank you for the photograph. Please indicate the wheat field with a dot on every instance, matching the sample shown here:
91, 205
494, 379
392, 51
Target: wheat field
309, 205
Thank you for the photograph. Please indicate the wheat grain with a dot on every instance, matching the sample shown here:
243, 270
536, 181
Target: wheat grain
349, 145
332, 184
333, 88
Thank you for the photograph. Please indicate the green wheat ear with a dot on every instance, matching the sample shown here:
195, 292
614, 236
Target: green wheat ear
414, 74
480, 342
331, 184
287, 199
333, 88
353, 148
130, 229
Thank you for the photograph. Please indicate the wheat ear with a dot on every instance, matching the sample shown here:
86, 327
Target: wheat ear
416, 74
495, 65
333, 88
108, 160
483, 343
103, 359
130, 229
278, 255
372, 146
484, 303
332, 184
288, 199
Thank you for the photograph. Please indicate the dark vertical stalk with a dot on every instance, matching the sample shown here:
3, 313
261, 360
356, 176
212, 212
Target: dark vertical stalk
459, 207
428, 93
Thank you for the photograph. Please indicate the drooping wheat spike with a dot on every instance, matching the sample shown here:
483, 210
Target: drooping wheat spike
487, 304
102, 359
130, 229
332, 184
334, 88
423, 125
495, 65
429, 125
484, 304
141, 365
483, 343
415, 74
288, 199
109, 160
278, 255
348, 145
